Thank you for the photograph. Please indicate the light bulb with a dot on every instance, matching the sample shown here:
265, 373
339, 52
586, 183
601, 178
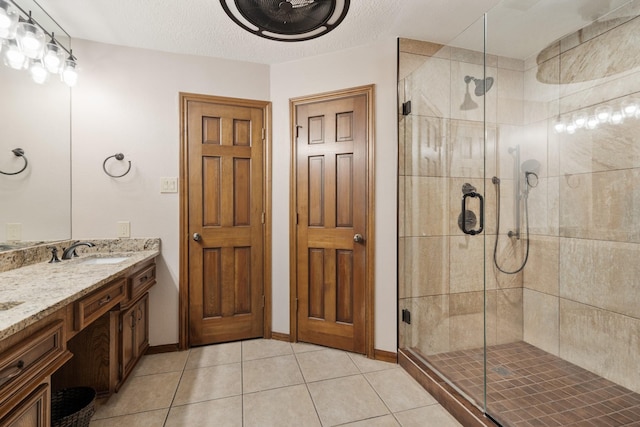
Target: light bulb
629, 108
69, 73
603, 113
8, 20
13, 56
559, 126
580, 119
30, 39
592, 122
38, 72
571, 128
616, 118
53, 57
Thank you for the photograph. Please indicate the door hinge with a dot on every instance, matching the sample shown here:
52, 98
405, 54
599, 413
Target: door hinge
406, 316
263, 134
120, 369
120, 326
263, 299
296, 305
263, 217
296, 218
406, 108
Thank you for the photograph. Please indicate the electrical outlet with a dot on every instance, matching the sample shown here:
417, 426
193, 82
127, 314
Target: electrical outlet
14, 231
169, 184
124, 229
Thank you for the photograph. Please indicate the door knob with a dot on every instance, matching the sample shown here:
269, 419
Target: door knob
197, 237
358, 238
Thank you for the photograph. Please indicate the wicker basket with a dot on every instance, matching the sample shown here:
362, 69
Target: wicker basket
72, 407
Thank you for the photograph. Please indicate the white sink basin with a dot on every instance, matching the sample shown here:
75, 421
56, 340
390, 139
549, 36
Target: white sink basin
105, 260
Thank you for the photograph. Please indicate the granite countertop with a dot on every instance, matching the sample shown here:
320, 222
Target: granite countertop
43, 288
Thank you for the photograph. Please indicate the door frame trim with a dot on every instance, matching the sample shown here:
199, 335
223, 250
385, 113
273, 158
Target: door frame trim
183, 296
369, 286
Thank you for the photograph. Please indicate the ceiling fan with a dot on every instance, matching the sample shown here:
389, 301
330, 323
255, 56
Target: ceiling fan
287, 20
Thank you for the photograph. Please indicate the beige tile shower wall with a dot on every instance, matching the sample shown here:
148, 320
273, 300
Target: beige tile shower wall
582, 294
442, 147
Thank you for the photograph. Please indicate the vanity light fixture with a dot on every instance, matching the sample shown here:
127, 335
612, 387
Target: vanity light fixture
30, 38
38, 72
13, 55
54, 56
8, 20
24, 47
69, 73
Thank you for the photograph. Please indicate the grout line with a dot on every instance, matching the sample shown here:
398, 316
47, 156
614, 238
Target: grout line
306, 385
166, 418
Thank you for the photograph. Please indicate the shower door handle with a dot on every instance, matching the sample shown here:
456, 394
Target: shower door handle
472, 195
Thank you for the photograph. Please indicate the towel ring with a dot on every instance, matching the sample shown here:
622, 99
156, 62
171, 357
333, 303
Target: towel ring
118, 156
18, 152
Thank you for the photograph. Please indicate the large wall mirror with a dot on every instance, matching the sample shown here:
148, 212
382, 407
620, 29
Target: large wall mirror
35, 203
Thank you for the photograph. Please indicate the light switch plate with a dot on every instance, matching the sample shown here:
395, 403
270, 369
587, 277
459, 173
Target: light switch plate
14, 231
124, 229
169, 184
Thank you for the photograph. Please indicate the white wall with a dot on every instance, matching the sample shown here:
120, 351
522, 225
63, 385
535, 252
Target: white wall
127, 100
372, 64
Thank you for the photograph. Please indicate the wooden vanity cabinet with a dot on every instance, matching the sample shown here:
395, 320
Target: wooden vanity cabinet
26, 365
107, 349
134, 319
32, 411
134, 335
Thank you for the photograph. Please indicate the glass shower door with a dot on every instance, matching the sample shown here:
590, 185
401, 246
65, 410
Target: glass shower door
445, 93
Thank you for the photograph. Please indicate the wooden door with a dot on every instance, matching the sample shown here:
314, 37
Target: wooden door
225, 221
331, 151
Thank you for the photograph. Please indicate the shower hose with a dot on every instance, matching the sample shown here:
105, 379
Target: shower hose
496, 181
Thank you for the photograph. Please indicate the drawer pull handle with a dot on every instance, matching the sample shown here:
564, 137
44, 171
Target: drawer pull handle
104, 300
139, 313
15, 371
144, 279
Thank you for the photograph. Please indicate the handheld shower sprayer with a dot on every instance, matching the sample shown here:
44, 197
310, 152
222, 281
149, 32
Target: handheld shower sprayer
529, 170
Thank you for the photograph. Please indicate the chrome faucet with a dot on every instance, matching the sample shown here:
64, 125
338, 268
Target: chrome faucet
70, 252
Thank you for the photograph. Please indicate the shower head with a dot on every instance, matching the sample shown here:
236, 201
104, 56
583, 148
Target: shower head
482, 85
468, 103
531, 166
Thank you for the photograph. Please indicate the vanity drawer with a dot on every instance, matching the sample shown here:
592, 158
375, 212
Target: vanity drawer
99, 302
31, 357
141, 281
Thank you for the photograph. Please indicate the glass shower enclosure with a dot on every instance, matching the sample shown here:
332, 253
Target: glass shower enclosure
519, 213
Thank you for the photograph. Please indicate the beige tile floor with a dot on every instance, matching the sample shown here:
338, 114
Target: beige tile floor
266, 383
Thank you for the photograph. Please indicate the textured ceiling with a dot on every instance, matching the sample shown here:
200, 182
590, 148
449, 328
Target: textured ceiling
201, 27
516, 28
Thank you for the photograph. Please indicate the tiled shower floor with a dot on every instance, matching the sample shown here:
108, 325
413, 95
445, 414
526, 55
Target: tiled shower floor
527, 387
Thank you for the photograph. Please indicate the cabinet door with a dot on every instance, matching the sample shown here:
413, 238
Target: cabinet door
128, 345
32, 411
142, 326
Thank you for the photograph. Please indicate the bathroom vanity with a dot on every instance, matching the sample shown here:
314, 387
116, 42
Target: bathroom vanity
80, 322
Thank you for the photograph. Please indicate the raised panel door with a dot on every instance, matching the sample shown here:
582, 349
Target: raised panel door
331, 210
225, 162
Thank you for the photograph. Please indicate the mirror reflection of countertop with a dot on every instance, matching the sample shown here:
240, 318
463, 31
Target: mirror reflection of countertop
32, 292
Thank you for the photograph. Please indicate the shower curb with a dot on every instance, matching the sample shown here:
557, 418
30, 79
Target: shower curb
466, 414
